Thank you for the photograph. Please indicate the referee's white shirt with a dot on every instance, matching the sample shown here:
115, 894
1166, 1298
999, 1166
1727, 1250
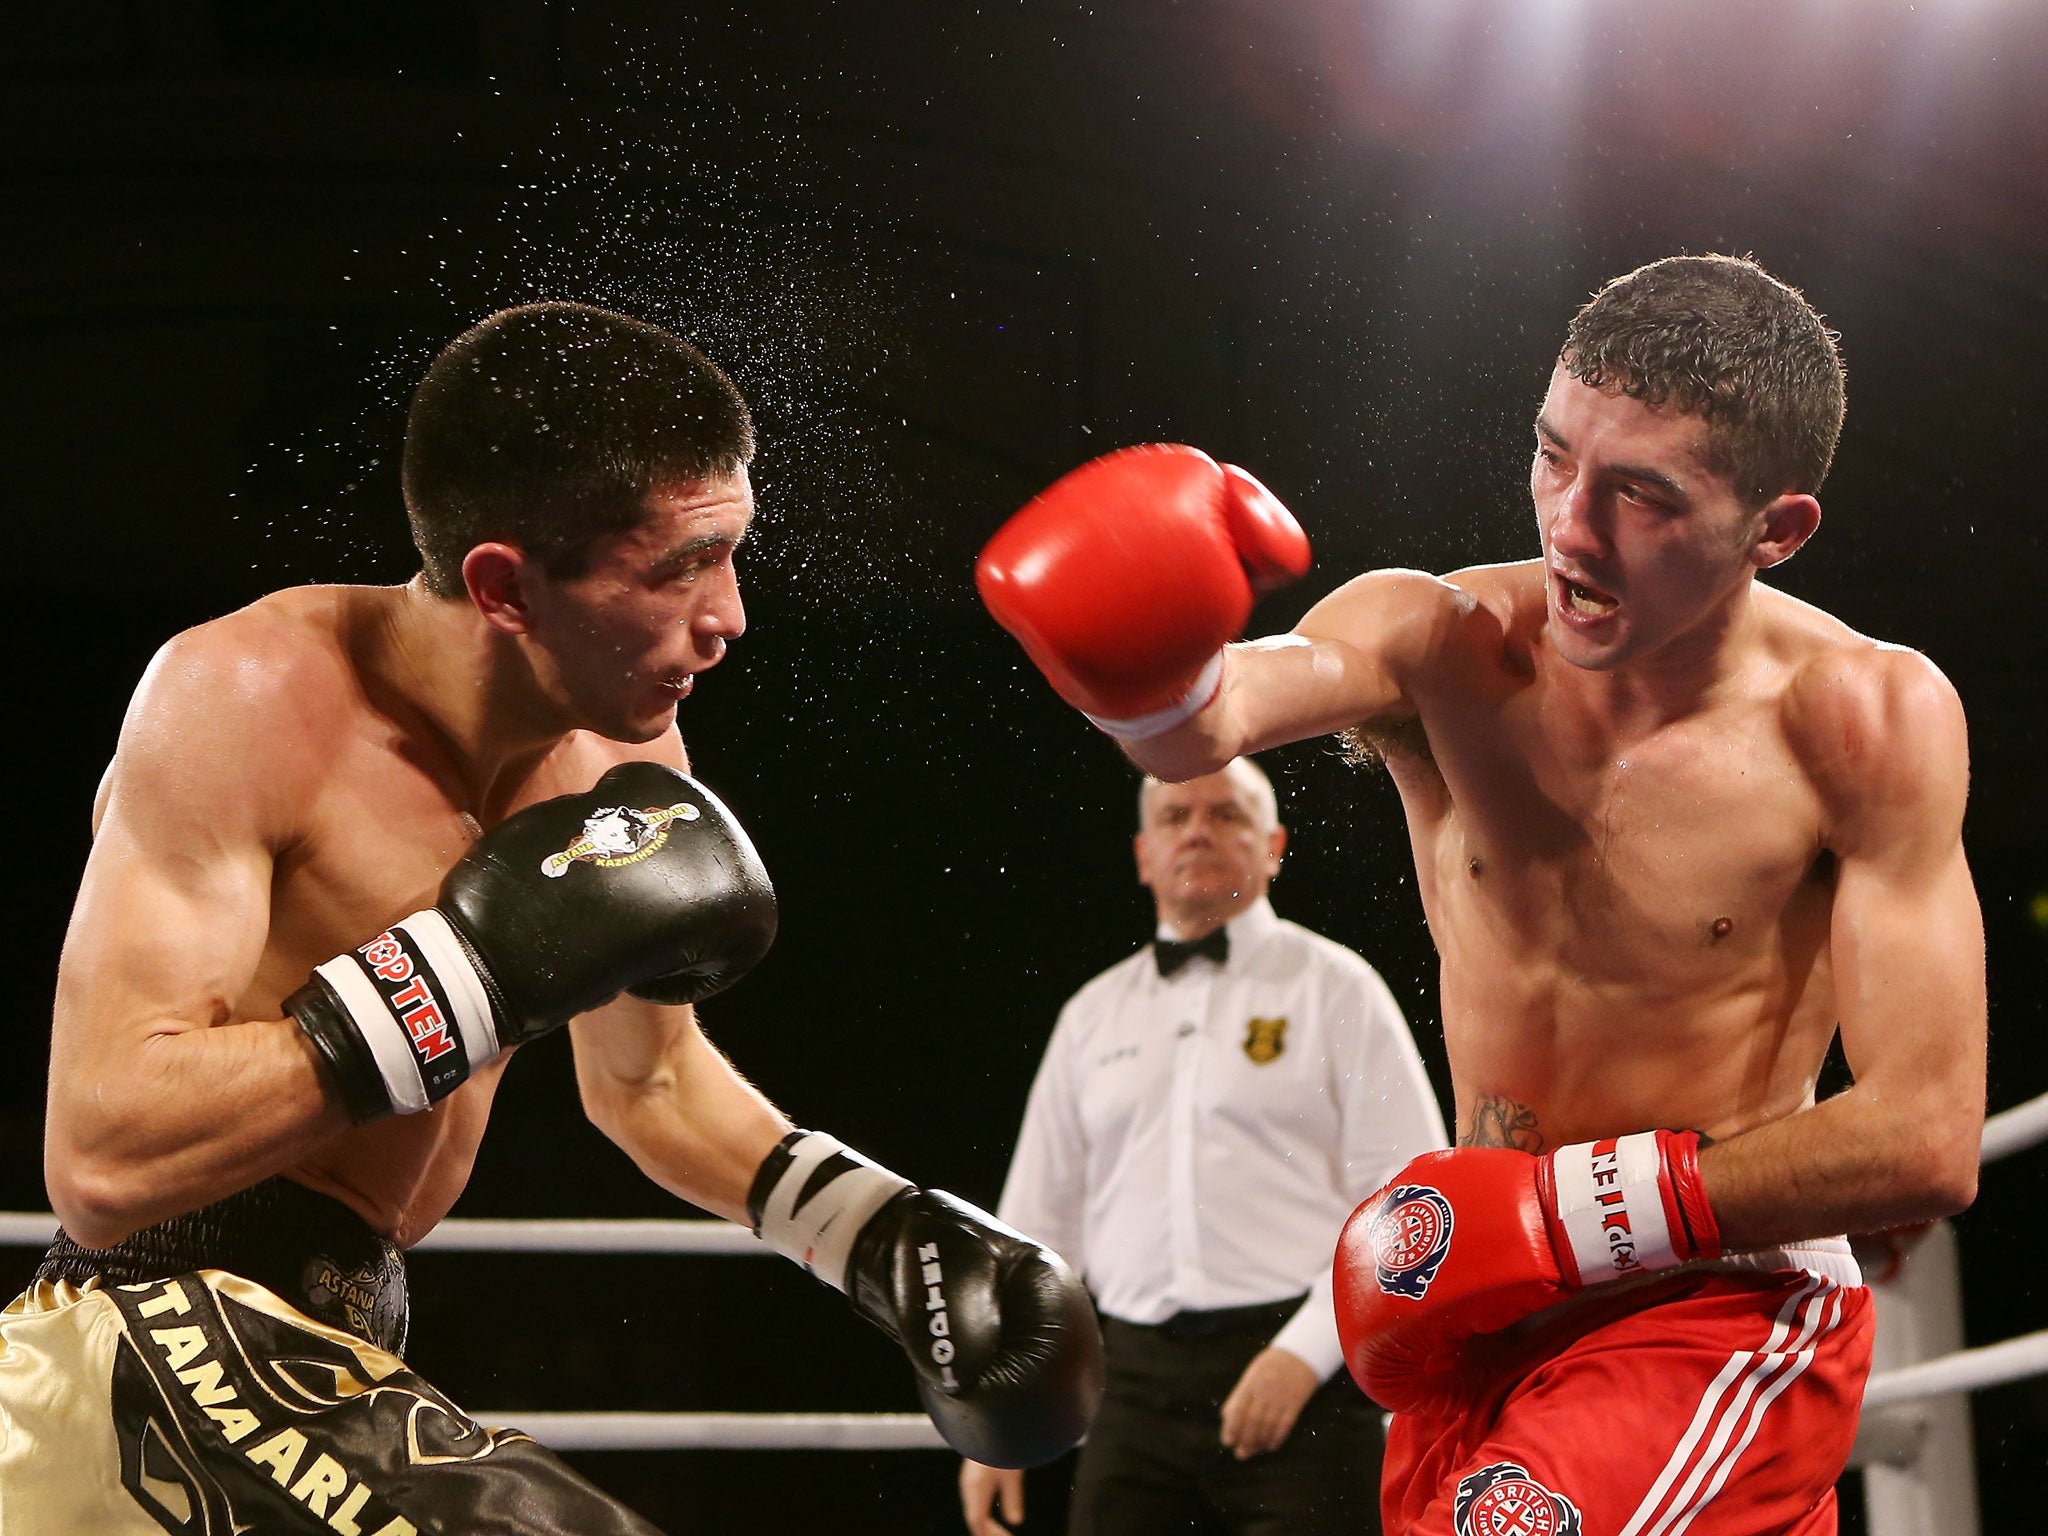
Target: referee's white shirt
1196, 1142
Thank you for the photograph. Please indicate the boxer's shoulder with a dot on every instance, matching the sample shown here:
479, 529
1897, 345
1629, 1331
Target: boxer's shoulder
227, 709
1845, 691
1510, 587
1502, 610
1477, 642
264, 657
1876, 726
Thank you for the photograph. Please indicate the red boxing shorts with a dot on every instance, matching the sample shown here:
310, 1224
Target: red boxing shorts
1716, 1402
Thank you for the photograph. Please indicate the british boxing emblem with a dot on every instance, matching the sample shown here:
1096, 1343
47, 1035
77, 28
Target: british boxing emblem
618, 834
1265, 1039
1504, 1500
1410, 1237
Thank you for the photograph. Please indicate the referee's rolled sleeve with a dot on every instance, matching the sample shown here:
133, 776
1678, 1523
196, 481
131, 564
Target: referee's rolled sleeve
1311, 1334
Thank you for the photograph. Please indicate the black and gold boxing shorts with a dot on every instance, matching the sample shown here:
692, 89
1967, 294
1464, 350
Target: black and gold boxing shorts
204, 1403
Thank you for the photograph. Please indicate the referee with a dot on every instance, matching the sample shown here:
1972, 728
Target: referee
1208, 1112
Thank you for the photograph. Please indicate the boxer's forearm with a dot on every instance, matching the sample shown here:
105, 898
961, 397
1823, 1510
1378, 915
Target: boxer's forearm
1345, 664
1862, 1161
673, 1103
192, 1116
1266, 697
1201, 745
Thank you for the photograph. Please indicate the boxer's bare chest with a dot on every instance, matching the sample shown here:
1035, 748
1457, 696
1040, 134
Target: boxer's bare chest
380, 827
1623, 914
1664, 854
383, 823
386, 816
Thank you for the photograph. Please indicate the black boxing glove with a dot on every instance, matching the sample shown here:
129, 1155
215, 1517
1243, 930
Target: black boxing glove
1000, 1332
643, 883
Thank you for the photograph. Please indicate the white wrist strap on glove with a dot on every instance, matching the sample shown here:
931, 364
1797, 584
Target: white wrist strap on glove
820, 1202
1610, 1202
1207, 684
420, 1007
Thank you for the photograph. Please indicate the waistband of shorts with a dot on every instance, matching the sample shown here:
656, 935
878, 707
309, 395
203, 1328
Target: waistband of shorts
1830, 1258
309, 1249
1216, 1322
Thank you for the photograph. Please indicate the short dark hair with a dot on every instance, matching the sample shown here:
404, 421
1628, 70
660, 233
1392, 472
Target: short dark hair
1719, 337
547, 426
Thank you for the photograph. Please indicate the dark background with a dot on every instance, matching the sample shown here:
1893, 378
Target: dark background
950, 251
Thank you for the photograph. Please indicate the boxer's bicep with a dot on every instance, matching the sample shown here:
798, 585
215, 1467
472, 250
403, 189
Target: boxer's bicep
652, 1082
174, 903
1906, 936
1907, 949
165, 936
1908, 958
163, 946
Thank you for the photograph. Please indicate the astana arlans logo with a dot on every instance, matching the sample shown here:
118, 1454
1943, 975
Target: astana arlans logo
618, 834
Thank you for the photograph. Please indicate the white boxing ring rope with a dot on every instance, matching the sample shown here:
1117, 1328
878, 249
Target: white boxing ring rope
1964, 1371
2014, 1359
2016, 1129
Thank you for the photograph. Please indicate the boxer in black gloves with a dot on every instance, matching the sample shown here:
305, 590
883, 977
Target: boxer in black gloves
356, 846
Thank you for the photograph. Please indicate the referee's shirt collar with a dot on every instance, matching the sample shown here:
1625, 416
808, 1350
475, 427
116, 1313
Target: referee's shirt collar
1249, 929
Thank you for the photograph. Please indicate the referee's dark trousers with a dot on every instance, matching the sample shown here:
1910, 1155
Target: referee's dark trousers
1154, 1464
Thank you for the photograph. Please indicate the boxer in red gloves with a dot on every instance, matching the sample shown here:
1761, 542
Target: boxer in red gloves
1673, 830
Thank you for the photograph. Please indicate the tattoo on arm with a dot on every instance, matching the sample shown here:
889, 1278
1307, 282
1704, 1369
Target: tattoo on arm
1498, 1121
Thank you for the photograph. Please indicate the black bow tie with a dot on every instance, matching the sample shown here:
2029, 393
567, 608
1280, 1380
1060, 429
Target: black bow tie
1172, 955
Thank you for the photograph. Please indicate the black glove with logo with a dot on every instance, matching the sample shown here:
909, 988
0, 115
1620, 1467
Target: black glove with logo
643, 884
1001, 1333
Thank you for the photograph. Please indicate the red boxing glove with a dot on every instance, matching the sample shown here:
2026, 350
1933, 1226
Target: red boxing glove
1470, 1240
1125, 579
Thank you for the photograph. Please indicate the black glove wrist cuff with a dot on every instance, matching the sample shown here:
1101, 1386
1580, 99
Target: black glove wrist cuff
416, 1011
341, 1049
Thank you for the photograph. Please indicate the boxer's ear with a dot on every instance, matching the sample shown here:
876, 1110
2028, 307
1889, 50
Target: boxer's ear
1788, 522
495, 576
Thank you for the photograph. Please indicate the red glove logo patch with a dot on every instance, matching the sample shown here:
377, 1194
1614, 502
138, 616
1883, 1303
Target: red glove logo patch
1411, 1236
